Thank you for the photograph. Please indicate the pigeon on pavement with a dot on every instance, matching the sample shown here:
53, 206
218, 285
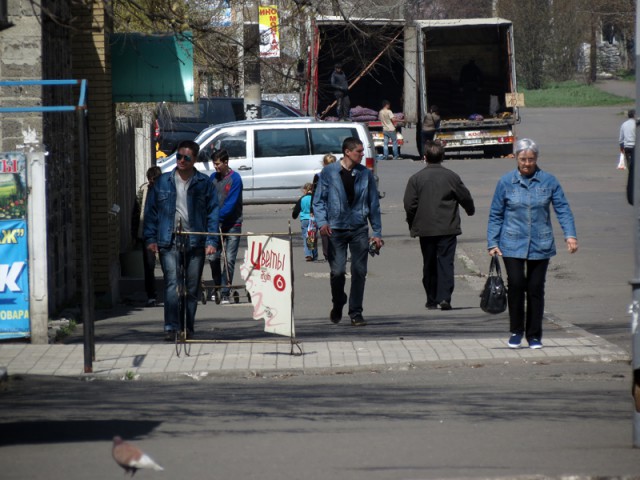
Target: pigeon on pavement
130, 457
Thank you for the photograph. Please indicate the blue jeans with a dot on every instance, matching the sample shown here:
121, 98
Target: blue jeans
393, 136
220, 274
304, 224
357, 241
170, 260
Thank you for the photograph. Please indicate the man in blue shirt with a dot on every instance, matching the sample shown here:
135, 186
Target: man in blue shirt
228, 188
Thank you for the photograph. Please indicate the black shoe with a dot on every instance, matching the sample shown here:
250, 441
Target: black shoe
335, 315
358, 321
169, 336
431, 306
444, 305
189, 334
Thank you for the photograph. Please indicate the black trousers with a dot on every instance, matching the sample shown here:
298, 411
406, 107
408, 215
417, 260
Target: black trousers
629, 155
149, 265
438, 255
525, 280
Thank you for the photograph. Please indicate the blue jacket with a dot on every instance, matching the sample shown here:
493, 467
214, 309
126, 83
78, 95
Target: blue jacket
229, 192
520, 220
160, 210
330, 204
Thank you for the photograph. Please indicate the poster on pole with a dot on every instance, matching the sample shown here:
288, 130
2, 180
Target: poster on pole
269, 32
266, 271
14, 277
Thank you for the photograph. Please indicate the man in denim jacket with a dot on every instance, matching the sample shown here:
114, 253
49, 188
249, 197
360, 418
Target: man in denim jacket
181, 200
345, 202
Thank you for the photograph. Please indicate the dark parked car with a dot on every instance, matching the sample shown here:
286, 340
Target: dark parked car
184, 121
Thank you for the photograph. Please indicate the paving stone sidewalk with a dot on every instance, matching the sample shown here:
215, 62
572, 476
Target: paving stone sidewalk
140, 360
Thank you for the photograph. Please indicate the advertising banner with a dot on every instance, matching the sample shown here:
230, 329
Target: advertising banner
266, 272
269, 32
14, 278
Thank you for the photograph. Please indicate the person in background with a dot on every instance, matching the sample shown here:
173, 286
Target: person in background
228, 188
304, 210
627, 143
345, 202
432, 200
181, 200
430, 124
326, 160
388, 130
340, 87
519, 230
148, 257
470, 81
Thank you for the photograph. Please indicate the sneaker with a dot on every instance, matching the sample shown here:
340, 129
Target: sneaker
189, 334
444, 305
358, 321
335, 315
169, 336
431, 306
213, 297
225, 300
534, 343
515, 340
151, 302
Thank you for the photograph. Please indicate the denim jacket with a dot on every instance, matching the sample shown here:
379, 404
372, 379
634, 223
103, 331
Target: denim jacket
331, 206
520, 220
160, 209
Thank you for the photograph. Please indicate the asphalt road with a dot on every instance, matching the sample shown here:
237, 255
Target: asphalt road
410, 422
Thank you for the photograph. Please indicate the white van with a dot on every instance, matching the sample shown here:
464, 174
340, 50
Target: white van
276, 157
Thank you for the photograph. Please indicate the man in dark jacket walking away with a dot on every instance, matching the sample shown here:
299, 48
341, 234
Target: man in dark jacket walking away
431, 201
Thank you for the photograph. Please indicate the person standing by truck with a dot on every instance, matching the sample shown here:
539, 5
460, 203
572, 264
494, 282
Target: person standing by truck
341, 92
430, 124
388, 130
470, 82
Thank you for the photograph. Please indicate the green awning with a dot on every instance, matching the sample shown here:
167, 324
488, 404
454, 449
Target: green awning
152, 68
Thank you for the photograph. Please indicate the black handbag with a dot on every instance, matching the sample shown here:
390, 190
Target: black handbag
493, 298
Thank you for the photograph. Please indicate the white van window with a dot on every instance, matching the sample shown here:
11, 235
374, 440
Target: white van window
234, 142
281, 143
329, 140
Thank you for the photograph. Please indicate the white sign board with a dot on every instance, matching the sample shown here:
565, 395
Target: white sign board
266, 272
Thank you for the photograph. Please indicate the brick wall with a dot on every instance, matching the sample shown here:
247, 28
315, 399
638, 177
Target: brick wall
36, 48
59, 138
91, 60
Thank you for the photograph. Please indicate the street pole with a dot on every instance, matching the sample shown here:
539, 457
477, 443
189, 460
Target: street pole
251, 46
635, 305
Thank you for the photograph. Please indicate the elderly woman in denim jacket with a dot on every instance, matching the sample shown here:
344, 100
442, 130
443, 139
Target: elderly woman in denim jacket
520, 231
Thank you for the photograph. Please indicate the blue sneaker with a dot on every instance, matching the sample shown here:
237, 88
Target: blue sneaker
515, 340
535, 343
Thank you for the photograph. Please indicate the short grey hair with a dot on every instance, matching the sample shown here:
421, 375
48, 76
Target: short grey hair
526, 144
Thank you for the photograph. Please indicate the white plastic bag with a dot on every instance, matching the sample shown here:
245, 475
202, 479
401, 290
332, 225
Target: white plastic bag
622, 164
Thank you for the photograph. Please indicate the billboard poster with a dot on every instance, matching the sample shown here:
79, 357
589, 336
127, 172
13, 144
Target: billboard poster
14, 277
269, 32
266, 271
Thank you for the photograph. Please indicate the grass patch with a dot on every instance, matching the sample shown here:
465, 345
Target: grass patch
572, 94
